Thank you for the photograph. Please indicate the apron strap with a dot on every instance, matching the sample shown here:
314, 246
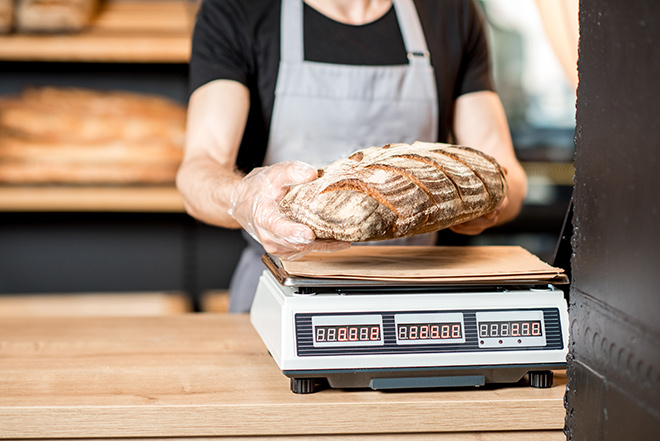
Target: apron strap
291, 32
412, 32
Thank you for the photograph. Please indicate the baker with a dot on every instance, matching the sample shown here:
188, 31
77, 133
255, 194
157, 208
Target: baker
280, 87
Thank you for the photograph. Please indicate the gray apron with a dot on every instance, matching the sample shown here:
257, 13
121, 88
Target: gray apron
323, 112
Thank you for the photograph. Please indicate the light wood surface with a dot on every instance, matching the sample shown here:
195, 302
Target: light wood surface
94, 304
146, 31
209, 375
216, 301
61, 198
535, 435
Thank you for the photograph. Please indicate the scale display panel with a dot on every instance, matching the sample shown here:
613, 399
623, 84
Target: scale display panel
347, 330
511, 329
330, 334
413, 329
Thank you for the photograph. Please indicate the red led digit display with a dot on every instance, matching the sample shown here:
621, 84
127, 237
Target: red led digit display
519, 328
347, 333
429, 331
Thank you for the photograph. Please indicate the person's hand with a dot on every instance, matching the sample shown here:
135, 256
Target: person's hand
254, 204
478, 225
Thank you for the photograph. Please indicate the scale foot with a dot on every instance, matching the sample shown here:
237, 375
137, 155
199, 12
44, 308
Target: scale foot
303, 385
540, 379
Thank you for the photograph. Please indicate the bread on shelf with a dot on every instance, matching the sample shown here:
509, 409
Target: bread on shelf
54, 15
6, 16
82, 136
396, 191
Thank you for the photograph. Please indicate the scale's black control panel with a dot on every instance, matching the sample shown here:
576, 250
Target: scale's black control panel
322, 334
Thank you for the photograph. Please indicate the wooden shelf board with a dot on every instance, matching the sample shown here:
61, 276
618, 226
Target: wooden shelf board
156, 31
122, 199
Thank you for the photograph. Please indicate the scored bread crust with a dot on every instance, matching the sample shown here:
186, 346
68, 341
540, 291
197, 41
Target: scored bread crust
398, 190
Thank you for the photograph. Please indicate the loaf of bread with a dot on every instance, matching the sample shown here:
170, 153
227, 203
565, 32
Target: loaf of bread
6, 15
82, 136
54, 15
396, 191
78, 115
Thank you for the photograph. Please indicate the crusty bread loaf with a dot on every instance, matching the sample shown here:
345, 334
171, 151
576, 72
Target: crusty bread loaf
82, 136
70, 115
6, 15
54, 15
396, 191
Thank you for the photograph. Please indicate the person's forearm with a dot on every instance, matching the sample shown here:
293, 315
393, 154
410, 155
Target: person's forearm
206, 189
480, 122
217, 112
517, 182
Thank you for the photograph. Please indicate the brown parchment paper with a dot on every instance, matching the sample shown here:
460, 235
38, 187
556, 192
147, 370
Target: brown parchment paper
447, 264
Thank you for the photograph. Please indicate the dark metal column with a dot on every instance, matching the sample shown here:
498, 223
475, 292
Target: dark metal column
614, 362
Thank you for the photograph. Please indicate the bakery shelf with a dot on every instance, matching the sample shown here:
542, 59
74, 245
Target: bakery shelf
116, 199
124, 31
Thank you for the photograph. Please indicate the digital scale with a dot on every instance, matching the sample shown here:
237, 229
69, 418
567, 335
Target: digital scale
392, 335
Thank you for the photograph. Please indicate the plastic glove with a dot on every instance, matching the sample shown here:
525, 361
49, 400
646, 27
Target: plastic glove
479, 225
254, 204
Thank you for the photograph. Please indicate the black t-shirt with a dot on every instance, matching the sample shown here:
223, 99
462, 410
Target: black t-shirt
240, 40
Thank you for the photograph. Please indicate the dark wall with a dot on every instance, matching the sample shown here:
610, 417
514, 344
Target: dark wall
614, 361
169, 80
114, 252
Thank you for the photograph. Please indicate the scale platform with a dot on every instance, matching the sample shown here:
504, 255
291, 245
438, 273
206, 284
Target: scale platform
394, 334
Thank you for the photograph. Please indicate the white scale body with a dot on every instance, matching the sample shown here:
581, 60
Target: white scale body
411, 338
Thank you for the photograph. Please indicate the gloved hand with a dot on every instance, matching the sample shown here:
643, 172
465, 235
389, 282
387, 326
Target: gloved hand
480, 224
254, 204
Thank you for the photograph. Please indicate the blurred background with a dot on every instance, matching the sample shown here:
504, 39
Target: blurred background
534, 51
92, 116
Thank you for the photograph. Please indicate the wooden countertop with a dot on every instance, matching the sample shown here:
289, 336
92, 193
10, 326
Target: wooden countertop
87, 198
209, 375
